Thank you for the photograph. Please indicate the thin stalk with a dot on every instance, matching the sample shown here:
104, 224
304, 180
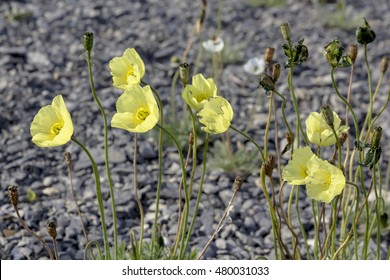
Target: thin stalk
268, 124
298, 210
160, 167
40, 239
184, 178
55, 247
98, 195
251, 140
69, 167
139, 203
106, 157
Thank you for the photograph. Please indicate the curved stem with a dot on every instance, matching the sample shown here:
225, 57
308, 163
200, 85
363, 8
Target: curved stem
106, 157
250, 139
98, 196
184, 178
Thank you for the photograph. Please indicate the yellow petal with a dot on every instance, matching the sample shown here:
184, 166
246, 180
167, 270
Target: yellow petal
197, 94
52, 126
297, 169
216, 115
325, 182
137, 110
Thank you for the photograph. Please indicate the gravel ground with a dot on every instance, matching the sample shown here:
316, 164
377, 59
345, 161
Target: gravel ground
41, 55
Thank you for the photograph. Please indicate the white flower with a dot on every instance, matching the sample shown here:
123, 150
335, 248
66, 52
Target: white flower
254, 66
214, 45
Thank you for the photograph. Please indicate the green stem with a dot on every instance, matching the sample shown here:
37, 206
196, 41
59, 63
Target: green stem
369, 114
112, 193
186, 193
250, 139
160, 167
98, 195
139, 203
194, 215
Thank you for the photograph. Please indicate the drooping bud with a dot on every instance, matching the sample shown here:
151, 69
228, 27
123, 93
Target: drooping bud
384, 64
13, 195
327, 115
352, 52
266, 82
88, 41
51, 228
333, 52
184, 72
238, 181
276, 72
364, 33
285, 30
269, 54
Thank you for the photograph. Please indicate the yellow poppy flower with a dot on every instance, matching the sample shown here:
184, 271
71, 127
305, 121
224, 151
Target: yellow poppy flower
52, 126
137, 110
127, 70
297, 169
319, 132
325, 181
197, 94
216, 115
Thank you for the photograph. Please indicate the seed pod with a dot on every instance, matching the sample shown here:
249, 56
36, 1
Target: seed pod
269, 54
333, 52
276, 72
269, 165
51, 228
375, 137
352, 52
13, 195
238, 183
184, 72
327, 115
384, 64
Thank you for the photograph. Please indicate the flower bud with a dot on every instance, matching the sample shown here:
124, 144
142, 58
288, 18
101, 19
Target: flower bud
343, 137
352, 52
285, 30
333, 52
88, 41
51, 228
375, 137
269, 54
184, 72
327, 114
384, 64
276, 72
13, 195
266, 82
238, 183
364, 33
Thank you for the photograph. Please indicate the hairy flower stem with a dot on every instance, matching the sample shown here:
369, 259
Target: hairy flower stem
251, 140
139, 203
295, 102
186, 192
221, 222
160, 167
106, 157
99, 197
40, 239
68, 161
194, 215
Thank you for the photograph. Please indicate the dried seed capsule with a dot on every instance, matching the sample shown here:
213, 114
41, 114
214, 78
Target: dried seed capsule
276, 72
13, 195
269, 54
384, 64
352, 52
184, 72
266, 82
333, 52
51, 228
269, 165
238, 183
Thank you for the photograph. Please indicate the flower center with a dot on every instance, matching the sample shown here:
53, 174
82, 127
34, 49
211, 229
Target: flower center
56, 128
131, 71
142, 114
